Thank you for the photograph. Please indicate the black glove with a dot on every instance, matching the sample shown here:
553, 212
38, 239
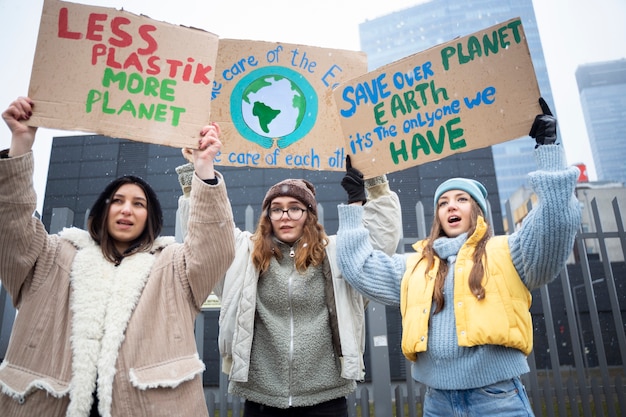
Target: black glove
544, 126
353, 183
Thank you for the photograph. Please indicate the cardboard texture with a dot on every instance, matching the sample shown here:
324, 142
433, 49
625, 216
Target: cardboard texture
465, 94
273, 102
121, 75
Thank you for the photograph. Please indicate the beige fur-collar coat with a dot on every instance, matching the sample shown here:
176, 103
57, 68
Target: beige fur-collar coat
84, 323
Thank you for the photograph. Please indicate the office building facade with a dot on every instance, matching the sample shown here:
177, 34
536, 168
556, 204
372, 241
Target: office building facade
602, 89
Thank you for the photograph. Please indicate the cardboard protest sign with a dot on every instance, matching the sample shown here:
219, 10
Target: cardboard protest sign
465, 94
114, 73
274, 104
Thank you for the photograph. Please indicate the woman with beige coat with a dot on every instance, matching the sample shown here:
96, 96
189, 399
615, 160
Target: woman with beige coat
105, 323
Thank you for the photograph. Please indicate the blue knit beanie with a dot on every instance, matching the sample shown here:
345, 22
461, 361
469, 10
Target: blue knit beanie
470, 186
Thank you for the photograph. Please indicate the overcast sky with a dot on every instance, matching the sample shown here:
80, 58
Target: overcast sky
573, 32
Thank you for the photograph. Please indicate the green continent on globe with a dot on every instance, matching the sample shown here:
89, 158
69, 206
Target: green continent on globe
265, 114
273, 106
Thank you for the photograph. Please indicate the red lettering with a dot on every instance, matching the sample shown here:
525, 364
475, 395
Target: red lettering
153, 65
133, 60
174, 65
98, 50
63, 31
200, 76
123, 38
93, 27
187, 70
111, 62
144, 32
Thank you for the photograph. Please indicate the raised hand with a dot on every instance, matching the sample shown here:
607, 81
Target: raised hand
209, 146
543, 129
15, 116
353, 183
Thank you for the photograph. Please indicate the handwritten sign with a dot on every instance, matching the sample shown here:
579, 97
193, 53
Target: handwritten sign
465, 94
274, 104
118, 74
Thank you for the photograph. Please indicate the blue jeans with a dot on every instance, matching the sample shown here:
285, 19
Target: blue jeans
502, 399
333, 408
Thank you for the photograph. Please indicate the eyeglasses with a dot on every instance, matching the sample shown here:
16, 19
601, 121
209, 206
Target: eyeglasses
294, 213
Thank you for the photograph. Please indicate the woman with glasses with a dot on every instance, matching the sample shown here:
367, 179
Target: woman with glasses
292, 331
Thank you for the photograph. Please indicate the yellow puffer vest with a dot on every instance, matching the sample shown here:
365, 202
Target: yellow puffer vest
501, 318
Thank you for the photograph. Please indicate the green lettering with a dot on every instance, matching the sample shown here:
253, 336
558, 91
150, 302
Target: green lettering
161, 111
446, 53
167, 89
92, 97
490, 45
135, 83
419, 142
437, 145
111, 77
409, 101
421, 89
399, 152
105, 104
455, 133
463, 59
129, 107
397, 105
145, 112
437, 91
176, 112
379, 113
152, 87
503, 35
474, 48
514, 26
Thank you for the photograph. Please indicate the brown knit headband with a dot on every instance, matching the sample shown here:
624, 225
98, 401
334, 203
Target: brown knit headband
302, 190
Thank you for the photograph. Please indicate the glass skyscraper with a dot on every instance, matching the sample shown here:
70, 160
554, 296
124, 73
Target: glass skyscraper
415, 29
602, 88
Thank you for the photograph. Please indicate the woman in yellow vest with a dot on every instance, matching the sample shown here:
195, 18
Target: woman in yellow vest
464, 294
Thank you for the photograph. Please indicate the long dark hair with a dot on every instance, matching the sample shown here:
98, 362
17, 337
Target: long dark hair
98, 216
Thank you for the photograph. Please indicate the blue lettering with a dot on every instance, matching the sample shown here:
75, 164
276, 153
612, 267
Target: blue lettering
366, 92
312, 160
239, 67
244, 158
485, 96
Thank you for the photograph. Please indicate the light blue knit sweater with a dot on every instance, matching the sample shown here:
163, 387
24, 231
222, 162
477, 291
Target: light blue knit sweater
539, 250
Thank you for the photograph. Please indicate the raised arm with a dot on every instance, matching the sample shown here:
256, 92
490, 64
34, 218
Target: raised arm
540, 248
22, 236
373, 273
209, 245
382, 215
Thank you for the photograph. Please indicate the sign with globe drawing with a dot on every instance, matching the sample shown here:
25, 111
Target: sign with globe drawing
278, 106
274, 104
